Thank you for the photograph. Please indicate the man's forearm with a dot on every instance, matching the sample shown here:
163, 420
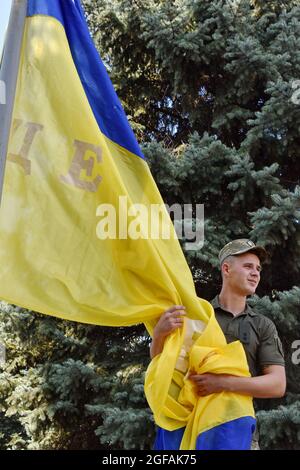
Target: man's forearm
264, 386
157, 346
269, 385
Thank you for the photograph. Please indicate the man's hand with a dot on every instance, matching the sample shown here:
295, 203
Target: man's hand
208, 383
171, 320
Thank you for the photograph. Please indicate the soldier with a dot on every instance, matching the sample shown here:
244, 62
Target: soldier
240, 263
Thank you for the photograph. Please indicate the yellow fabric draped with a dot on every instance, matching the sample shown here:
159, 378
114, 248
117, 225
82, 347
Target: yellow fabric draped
173, 397
60, 167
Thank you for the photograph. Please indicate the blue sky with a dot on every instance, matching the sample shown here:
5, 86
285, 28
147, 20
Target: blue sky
4, 15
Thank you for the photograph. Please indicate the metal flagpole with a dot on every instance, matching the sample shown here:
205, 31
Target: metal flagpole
8, 76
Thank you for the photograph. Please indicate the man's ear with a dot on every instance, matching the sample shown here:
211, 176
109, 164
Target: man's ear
225, 268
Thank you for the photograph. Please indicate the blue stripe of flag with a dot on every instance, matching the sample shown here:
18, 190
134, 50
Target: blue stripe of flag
232, 435
99, 90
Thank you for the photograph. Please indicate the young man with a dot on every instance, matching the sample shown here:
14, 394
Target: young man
240, 262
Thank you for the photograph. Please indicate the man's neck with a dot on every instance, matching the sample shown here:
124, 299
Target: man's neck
232, 302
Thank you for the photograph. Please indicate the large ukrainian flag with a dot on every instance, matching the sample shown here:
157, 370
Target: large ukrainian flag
71, 149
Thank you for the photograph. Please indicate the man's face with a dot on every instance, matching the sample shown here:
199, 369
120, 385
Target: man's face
242, 273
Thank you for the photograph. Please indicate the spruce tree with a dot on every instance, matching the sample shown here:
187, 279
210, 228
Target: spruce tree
209, 88
67, 385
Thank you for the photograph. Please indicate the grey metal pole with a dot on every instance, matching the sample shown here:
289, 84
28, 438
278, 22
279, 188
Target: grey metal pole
8, 76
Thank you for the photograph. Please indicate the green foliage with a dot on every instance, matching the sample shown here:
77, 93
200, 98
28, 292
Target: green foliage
280, 427
62, 380
208, 87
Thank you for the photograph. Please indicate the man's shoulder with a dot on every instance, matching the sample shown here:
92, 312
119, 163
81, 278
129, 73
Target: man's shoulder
264, 326
261, 321
259, 317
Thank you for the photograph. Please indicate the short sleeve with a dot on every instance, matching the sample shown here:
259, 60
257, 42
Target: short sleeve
270, 348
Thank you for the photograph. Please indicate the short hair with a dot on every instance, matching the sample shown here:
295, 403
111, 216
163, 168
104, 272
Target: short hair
229, 259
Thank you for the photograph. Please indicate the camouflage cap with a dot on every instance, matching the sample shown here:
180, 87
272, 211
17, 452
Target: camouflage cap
240, 246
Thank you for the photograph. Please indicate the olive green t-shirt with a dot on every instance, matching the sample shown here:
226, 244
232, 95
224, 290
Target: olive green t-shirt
256, 332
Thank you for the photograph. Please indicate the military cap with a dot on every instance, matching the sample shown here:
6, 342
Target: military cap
240, 246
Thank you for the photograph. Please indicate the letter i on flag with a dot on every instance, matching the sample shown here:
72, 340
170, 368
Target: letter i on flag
71, 158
